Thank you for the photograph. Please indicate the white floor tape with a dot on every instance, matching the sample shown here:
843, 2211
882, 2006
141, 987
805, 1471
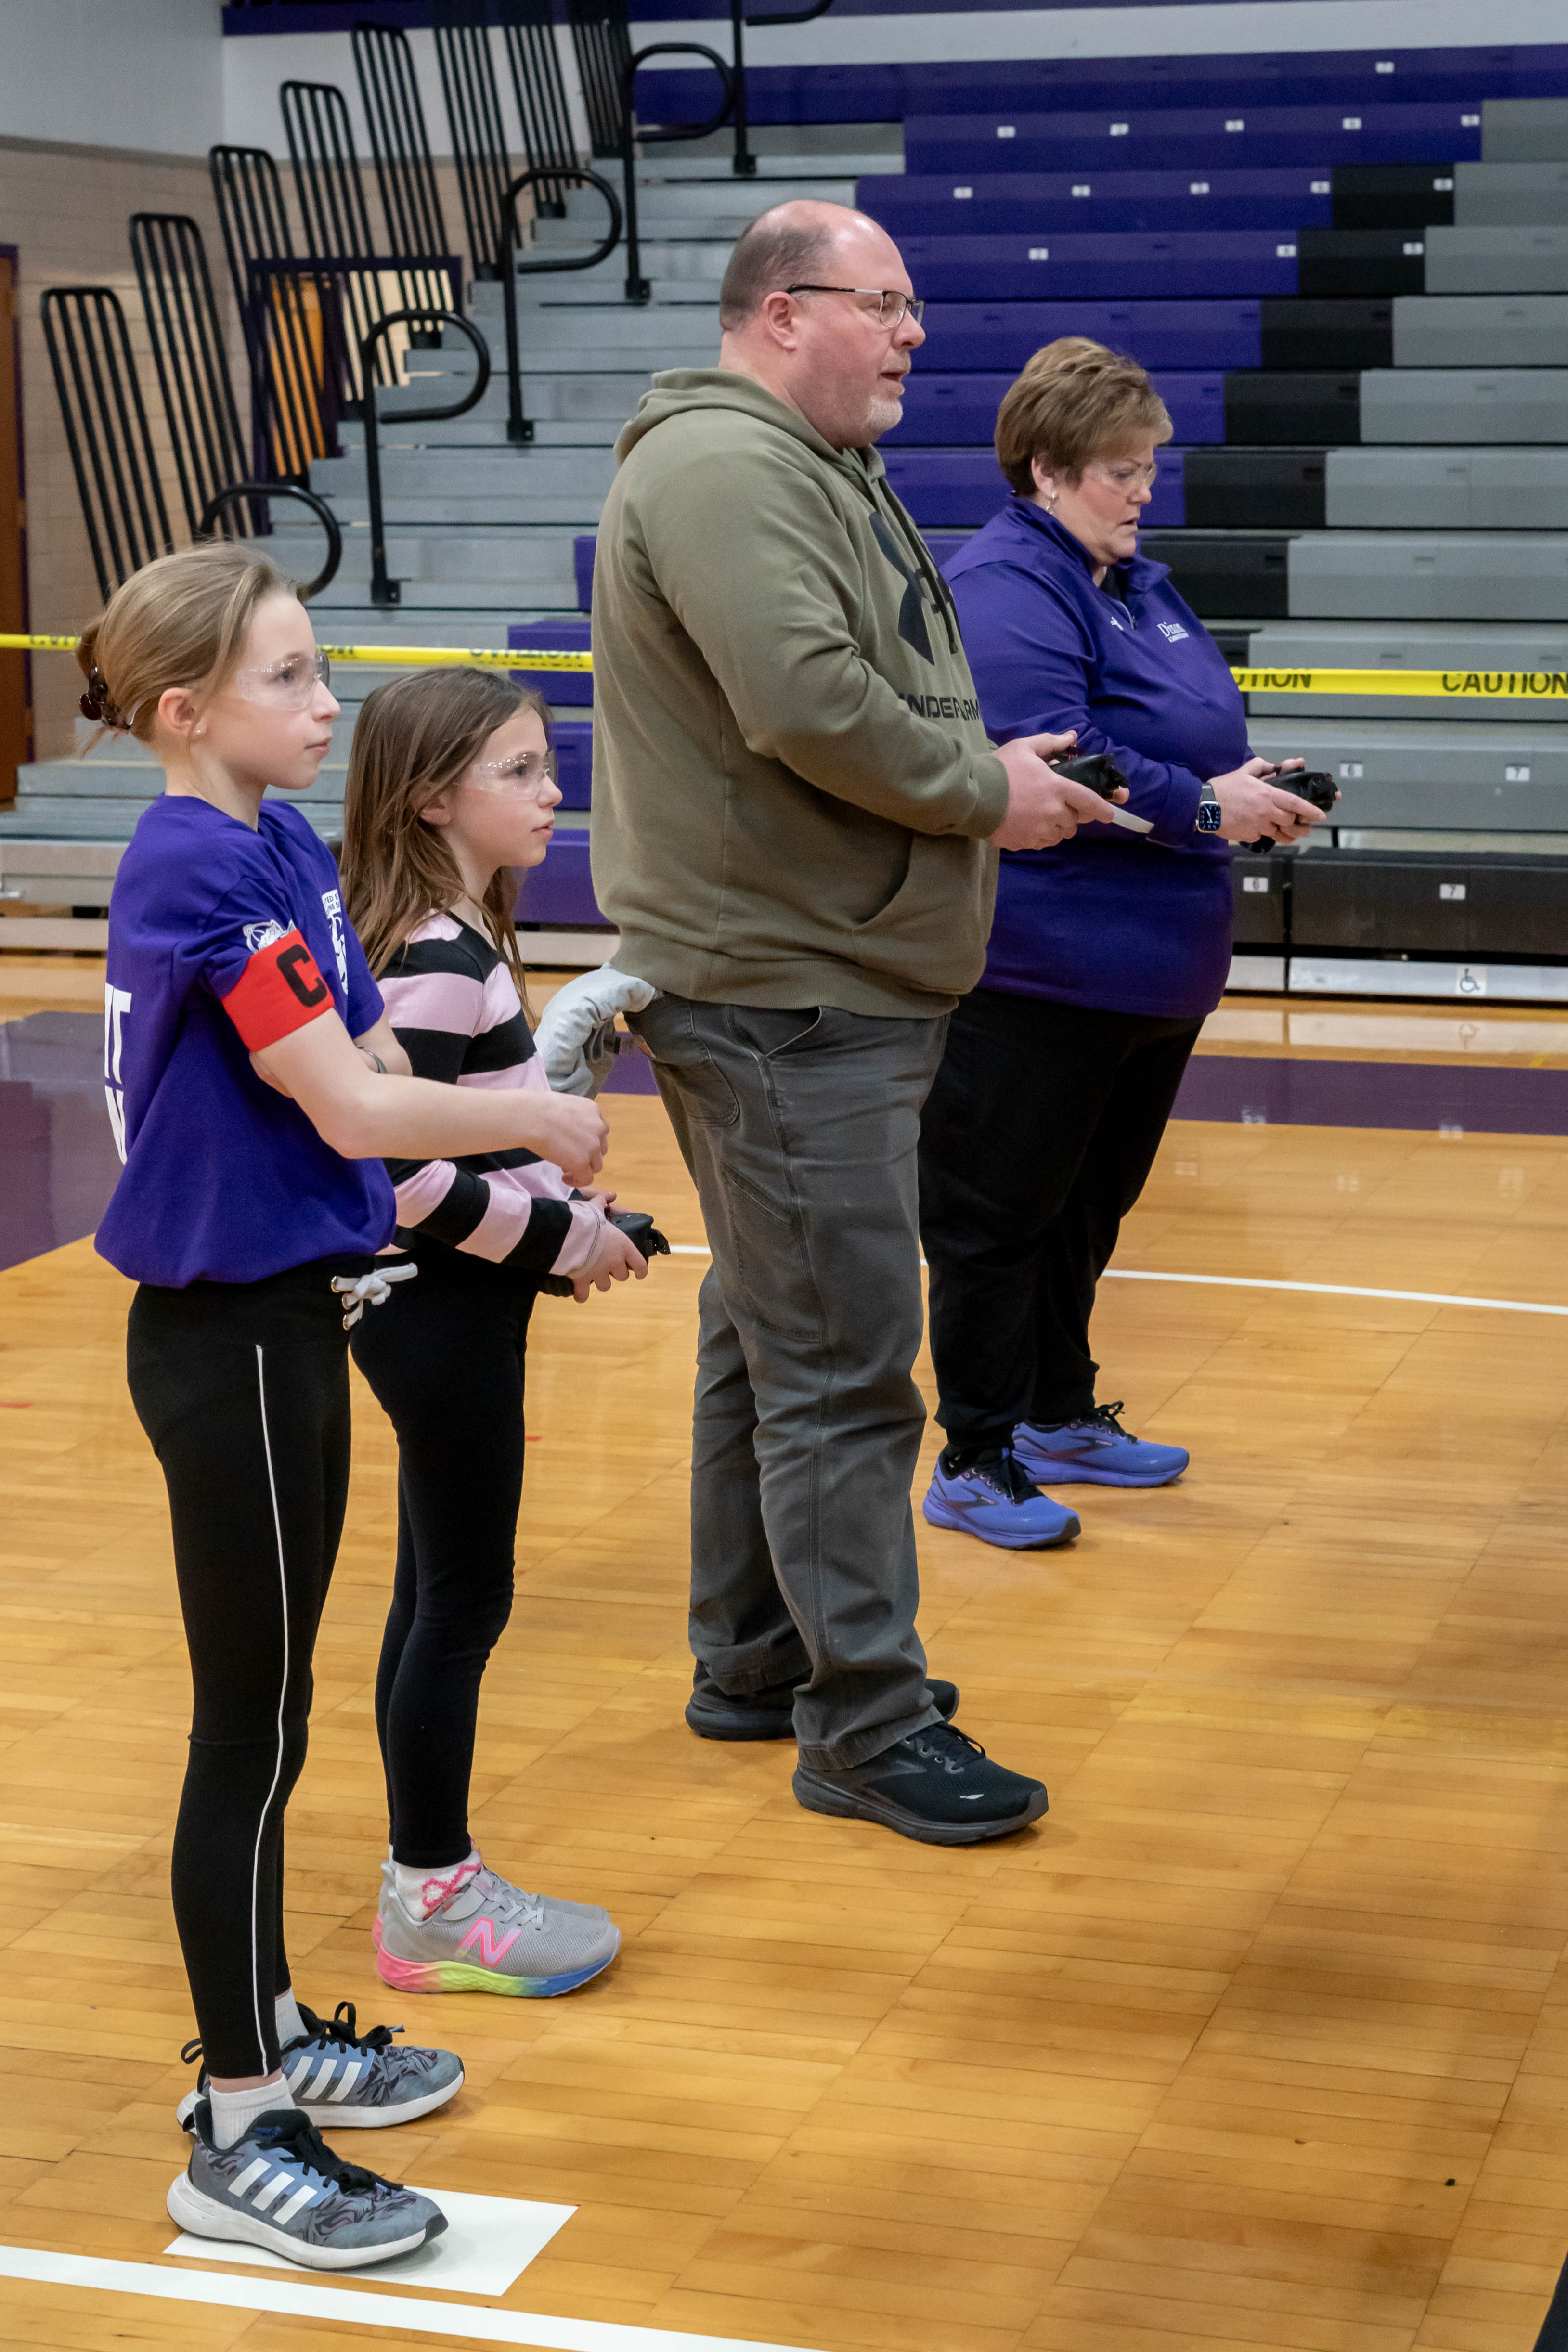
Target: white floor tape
1256, 1282
488, 2243
346, 2306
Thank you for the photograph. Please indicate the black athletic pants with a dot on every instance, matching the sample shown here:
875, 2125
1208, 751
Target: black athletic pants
444, 1359
243, 1389
1036, 1138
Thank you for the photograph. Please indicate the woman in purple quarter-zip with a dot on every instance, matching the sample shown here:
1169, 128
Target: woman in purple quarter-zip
1061, 1070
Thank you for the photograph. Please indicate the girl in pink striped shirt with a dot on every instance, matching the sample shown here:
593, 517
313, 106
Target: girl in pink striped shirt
451, 787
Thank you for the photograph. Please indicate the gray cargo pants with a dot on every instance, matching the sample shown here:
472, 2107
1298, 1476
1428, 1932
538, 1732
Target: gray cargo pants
800, 1130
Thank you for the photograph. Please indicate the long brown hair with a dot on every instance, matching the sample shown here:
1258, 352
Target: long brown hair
182, 620
416, 736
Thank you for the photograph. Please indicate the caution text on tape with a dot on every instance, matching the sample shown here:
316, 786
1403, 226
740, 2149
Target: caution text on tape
1450, 685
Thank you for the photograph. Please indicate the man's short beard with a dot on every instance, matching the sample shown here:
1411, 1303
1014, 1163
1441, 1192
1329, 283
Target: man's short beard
885, 411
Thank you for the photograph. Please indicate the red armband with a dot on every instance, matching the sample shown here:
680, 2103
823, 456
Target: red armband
278, 992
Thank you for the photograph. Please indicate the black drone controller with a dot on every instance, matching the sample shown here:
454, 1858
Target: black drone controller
639, 1230
1314, 784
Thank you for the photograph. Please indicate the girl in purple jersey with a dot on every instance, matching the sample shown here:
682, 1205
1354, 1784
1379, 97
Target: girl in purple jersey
255, 1089
452, 789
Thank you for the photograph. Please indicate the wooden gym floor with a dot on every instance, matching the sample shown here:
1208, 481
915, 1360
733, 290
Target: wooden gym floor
1258, 2040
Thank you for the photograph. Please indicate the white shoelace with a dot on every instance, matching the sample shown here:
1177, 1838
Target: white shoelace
372, 1289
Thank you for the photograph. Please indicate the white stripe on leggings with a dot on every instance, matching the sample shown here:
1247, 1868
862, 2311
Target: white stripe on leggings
282, 1693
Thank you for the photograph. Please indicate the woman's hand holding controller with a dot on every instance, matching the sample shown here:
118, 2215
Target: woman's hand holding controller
1253, 809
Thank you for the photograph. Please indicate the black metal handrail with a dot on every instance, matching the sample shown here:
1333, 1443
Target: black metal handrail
602, 41
745, 165
106, 428
518, 428
540, 89
472, 96
637, 287
400, 149
190, 356
383, 589
329, 185
112, 452
260, 492
286, 426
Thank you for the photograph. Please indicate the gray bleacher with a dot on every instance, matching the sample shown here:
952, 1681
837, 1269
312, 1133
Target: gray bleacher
1445, 544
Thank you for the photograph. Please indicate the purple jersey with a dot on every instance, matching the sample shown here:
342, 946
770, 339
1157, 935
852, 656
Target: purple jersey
221, 941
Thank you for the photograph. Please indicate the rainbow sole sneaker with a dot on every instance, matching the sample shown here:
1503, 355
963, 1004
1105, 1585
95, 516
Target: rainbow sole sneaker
350, 2081
490, 1937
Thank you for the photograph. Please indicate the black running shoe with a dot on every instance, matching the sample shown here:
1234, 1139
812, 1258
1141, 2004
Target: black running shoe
938, 1786
768, 1714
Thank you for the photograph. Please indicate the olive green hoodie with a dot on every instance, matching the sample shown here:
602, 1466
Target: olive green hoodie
792, 785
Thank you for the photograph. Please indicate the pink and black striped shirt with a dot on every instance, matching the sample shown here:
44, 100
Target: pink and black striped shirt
456, 1012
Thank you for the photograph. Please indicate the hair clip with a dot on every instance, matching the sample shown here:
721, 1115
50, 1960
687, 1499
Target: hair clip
97, 703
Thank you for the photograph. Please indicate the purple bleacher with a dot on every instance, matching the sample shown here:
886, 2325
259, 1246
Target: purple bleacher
1006, 203
1186, 264
892, 93
574, 741
1157, 334
959, 487
1191, 138
554, 637
956, 411
560, 891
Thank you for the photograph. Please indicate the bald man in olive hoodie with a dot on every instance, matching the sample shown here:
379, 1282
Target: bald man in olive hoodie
796, 812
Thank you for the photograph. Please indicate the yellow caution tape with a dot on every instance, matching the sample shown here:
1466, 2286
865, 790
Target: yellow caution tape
1452, 685
376, 657
1449, 684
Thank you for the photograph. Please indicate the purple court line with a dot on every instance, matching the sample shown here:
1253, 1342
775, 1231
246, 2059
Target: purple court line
58, 1163
1441, 1098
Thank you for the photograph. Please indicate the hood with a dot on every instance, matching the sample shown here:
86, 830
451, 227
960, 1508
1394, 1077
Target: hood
676, 390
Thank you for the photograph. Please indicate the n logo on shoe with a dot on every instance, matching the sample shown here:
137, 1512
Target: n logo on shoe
481, 1937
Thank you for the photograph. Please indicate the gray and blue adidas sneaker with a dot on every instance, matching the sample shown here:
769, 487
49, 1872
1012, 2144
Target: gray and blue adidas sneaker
348, 2080
280, 2187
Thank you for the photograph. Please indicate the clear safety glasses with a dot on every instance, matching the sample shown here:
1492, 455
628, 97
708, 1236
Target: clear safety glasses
522, 771
288, 685
1124, 474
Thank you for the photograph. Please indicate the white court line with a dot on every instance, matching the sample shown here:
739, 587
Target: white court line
346, 2308
1256, 1282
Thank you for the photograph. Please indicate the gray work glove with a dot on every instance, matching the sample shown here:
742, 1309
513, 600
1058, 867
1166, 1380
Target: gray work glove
576, 1034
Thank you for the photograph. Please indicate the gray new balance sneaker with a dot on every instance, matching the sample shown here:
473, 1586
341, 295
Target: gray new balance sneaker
490, 1937
351, 2081
282, 2186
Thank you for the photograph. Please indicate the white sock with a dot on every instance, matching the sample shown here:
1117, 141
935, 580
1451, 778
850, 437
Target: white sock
423, 1891
234, 2111
291, 2024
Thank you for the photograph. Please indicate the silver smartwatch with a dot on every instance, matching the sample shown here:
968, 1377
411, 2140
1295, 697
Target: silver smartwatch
1210, 815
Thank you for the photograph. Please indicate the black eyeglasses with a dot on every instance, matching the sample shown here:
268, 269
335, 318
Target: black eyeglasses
892, 309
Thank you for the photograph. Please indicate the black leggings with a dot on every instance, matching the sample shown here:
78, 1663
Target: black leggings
1037, 1138
444, 1359
243, 1389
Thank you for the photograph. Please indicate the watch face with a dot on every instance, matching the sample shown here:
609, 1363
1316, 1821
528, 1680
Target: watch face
1209, 816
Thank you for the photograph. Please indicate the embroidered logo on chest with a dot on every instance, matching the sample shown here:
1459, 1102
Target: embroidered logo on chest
1172, 629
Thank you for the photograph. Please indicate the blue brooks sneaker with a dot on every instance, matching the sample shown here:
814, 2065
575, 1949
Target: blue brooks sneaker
347, 2080
1095, 1451
990, 1496
280, 2186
